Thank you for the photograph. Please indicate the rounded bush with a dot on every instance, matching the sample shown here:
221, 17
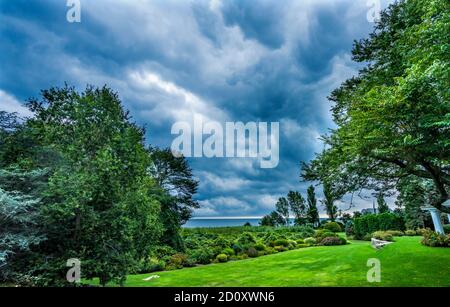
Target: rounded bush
332, 226
252, 252
310, 241
222, 258
434, 239
260, 246
280, 248
281, 242
410, 233
333, 241
383, 235
228, 251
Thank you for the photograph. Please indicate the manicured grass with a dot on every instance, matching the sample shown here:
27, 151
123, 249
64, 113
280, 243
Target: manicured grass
404, 263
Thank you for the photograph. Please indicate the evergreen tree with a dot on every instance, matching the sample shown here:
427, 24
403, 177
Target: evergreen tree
382, 206
312, 213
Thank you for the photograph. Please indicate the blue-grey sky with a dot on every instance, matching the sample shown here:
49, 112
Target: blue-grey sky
265, 60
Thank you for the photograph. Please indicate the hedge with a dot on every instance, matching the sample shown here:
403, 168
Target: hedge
375, 222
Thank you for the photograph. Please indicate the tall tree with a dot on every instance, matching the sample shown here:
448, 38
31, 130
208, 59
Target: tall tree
97, 207
382, 206
393, 118
312, 212
20, 229
328, 202
412, 197
282, 208
174, 176
298, 206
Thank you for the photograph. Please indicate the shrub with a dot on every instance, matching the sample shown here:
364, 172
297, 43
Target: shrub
280, 248
300, 241
222, 258
421, 231
228, 251
447, 229
410, 233
302, 245
177, 261
434, 239
151, 265
396, 233
332, 226
310, 241
281, 242
246, 239
252, 252
349, 228
323, 233
383, 235
260, 247
367, 237
333, 241
203, 256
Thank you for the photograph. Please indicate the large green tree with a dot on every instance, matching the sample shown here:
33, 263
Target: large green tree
393, 119
176, 195
97, 207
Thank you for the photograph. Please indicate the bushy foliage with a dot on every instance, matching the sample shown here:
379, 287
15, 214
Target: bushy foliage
434, 239
410, 233
383, 235
333, 241
370, 223
447, 229
222, 258
310, 241
323, 233
332, 226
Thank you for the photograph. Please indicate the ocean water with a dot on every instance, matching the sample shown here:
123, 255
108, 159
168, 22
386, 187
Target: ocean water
194, 223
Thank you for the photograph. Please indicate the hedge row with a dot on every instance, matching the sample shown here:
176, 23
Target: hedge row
370, 223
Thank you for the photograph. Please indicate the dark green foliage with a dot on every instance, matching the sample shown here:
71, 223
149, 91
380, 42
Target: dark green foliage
282, 208
333, 227
19, 218
411, 198
447, 229
382, 206
328, 201
252, 252
203, 256
298, 207
370, 223
393, 117
174, 176
312, 213
349, 228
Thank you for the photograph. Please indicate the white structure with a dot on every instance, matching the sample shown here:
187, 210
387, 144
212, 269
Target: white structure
436, 216
377, 244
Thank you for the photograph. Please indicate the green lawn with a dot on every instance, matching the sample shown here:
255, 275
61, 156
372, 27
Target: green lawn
404, 263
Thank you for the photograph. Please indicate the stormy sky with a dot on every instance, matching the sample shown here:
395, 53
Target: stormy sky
239, 61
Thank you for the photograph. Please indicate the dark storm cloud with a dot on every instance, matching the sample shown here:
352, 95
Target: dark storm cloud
226, 60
